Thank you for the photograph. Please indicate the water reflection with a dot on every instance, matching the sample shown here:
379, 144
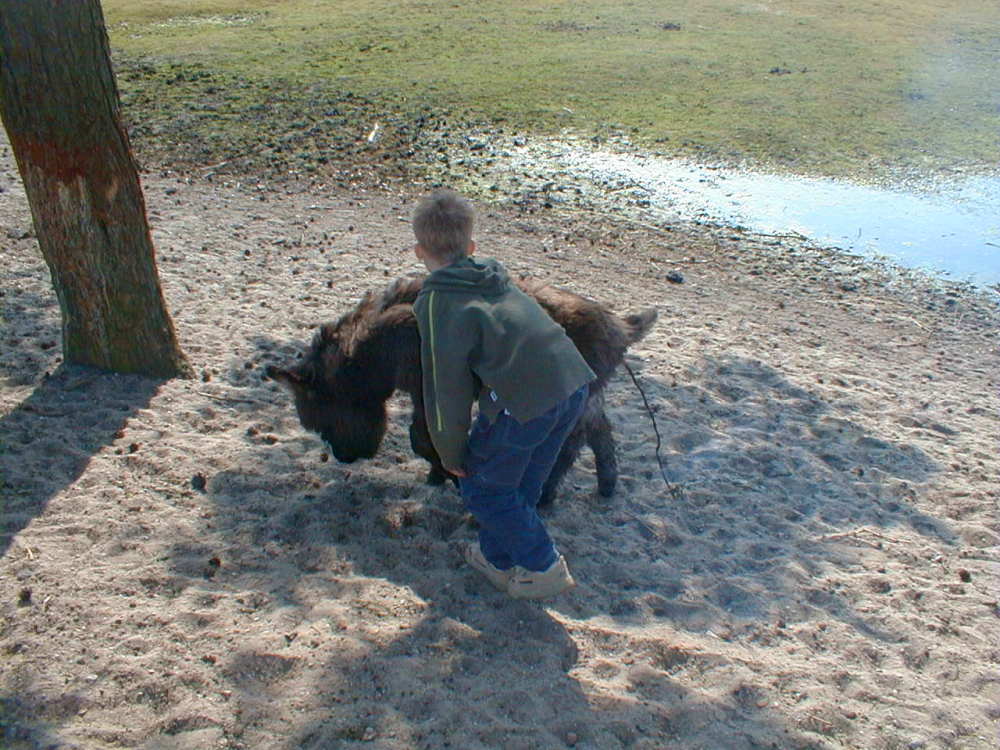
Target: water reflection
951, 228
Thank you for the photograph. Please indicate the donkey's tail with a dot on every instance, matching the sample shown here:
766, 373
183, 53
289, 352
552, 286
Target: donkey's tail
638, 324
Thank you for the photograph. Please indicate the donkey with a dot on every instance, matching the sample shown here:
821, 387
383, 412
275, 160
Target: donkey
353, 366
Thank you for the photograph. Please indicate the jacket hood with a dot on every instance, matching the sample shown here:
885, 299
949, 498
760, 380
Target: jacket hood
486, 277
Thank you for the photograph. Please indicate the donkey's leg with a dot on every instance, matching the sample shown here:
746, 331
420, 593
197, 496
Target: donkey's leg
602, 442
420, 441
567, 456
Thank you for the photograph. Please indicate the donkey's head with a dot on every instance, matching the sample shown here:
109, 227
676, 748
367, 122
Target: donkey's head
334, 397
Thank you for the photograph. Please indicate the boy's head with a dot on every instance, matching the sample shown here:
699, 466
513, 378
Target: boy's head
442, 225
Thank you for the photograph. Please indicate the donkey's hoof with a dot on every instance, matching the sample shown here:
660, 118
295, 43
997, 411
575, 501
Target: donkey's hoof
437, 476
606, 487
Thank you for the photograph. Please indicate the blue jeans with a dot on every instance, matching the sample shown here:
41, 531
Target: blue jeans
507, 465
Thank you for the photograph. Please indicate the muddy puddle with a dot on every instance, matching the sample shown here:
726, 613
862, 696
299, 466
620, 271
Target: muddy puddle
951, 229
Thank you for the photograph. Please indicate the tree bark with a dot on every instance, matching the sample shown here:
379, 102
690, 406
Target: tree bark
60, 106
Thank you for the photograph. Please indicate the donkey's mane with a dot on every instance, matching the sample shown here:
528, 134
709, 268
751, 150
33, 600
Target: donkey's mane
401, 292
359, 324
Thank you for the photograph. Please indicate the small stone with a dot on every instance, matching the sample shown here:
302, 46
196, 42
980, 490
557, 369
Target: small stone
572, 738
212, 567
675, 277
198, 482
964, 576
369, 734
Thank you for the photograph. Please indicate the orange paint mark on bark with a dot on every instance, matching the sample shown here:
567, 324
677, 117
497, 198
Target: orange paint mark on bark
60, 164
67, 166
112, 190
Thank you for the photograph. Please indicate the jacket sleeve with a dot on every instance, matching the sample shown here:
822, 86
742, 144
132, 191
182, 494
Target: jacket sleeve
449, 386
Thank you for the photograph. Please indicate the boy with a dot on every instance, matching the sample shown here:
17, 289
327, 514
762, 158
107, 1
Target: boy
482, 337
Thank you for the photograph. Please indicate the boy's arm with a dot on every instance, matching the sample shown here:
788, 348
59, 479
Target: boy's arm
448, 383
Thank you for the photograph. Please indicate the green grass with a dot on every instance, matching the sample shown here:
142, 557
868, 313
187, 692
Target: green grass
848, 88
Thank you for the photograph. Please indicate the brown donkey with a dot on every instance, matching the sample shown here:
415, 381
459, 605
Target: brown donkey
353, 366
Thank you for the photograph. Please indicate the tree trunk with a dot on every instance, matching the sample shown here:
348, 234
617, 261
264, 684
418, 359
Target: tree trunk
60, 106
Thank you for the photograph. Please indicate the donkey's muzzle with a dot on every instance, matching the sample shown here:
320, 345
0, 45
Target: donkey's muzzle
347, 455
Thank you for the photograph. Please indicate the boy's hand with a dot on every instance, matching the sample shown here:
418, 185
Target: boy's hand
457, 471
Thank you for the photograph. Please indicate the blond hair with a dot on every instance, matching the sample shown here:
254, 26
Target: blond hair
442, 224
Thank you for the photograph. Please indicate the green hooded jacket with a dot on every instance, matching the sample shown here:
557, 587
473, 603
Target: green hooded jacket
481, 336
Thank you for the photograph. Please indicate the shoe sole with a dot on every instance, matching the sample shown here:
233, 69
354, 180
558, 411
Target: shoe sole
536, 593
493, 575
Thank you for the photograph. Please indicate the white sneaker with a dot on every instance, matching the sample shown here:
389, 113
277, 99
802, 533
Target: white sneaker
531, 584
476, 559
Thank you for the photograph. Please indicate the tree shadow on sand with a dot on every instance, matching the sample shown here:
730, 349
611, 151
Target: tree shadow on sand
777, 485
47, 441
418, 651
775, 479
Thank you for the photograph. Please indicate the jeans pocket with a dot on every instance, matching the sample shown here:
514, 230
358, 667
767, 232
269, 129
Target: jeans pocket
531, 434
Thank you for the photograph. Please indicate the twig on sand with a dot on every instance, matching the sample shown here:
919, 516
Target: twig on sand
636, 222
904, 344
80, 382
616, 217
858, 531
216, 165
792, 235
823, 722
233, 399
913, 320
652, 532
42, 411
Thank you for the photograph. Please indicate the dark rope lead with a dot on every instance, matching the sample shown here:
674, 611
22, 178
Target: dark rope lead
672, 488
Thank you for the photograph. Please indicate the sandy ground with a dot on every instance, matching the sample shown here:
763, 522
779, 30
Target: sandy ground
183, 567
